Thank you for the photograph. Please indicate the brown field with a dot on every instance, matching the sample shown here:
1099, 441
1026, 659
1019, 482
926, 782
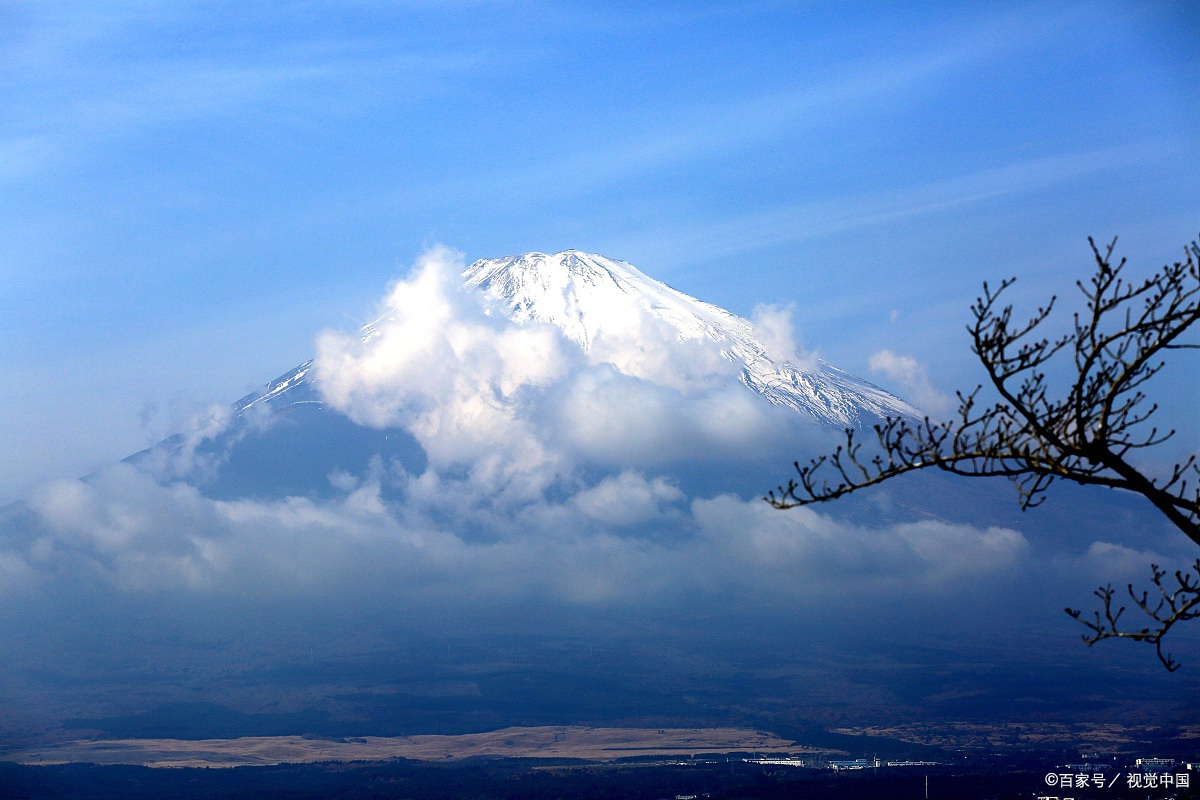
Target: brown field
594, 744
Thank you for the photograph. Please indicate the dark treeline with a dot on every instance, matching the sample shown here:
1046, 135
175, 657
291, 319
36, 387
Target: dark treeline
519, 780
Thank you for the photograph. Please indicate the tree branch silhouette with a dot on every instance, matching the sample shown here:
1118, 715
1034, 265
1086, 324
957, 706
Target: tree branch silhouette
1088, 434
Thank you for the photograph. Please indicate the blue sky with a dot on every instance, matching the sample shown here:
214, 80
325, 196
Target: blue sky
190, 191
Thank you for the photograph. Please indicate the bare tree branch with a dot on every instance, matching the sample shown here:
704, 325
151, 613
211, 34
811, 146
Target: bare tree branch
1167, 609
1086, 434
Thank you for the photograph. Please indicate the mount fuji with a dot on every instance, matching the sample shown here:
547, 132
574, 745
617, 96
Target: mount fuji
288, 438
587, 296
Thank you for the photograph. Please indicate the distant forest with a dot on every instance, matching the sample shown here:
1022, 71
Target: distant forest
527, 780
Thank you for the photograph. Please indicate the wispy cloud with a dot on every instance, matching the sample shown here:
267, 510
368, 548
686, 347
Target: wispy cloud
82, 87
687, 133
913, 380
806, 221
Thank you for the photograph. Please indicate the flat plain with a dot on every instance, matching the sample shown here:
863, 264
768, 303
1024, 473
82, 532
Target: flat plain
570, 742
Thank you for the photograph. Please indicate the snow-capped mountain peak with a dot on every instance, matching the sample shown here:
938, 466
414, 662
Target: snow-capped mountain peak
584, 294
581, 293
587, 295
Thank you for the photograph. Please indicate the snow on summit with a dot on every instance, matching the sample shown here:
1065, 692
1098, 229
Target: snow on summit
585, 295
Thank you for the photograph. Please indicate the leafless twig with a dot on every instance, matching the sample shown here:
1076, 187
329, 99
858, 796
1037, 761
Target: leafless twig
1088, 434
